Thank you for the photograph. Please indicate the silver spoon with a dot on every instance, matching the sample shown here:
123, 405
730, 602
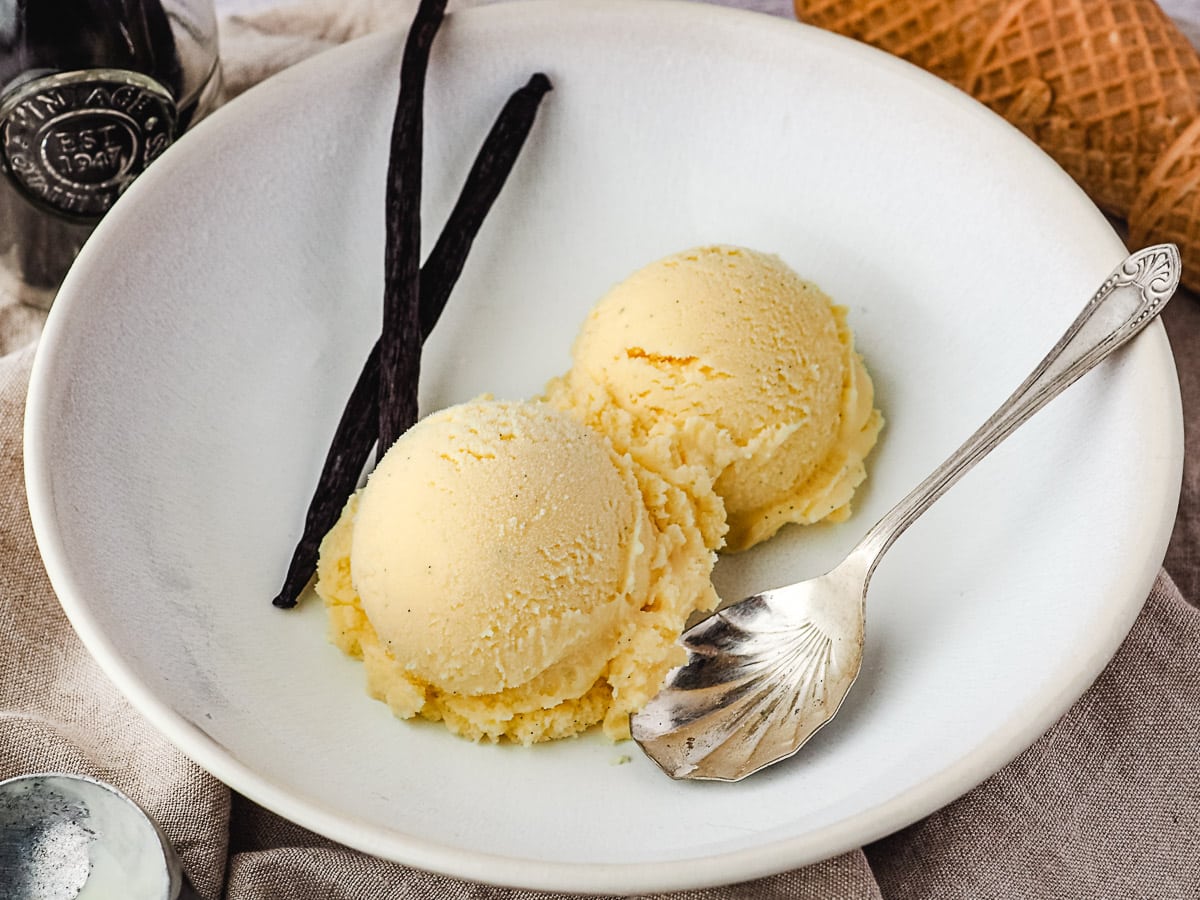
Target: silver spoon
764, 674
69, 837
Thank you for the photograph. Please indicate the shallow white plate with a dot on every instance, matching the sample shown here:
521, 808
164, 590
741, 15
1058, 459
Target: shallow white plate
199, 355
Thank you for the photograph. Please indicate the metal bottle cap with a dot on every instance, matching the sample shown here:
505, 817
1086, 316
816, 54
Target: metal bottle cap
73, 141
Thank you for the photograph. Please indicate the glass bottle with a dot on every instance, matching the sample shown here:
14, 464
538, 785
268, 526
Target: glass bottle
91, 92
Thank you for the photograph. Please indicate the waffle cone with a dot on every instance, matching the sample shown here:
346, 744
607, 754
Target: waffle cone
1109, 88
1167, 207
938, 35
1104, 88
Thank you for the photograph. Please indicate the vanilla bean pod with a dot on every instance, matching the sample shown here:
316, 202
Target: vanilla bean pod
357, 430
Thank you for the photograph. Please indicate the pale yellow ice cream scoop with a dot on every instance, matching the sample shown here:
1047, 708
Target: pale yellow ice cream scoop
721, 365
493, 542
506, 571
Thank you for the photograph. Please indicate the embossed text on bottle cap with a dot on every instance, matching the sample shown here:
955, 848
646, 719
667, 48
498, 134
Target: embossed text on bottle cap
73, 141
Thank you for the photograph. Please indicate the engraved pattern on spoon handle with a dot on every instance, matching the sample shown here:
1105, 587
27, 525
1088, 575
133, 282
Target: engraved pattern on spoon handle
1127, 301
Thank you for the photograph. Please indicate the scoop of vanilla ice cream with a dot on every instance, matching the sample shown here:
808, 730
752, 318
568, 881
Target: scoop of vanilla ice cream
506, 571
496, 540
721, 368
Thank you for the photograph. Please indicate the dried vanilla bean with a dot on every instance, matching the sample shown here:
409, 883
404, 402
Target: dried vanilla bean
357, 430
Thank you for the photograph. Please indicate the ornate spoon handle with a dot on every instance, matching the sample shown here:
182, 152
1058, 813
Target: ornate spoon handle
1127, 301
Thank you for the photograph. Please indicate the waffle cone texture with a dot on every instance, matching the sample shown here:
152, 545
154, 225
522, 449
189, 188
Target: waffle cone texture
1109, 88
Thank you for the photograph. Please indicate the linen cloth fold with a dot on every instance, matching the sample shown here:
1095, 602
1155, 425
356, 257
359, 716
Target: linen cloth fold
1105, 805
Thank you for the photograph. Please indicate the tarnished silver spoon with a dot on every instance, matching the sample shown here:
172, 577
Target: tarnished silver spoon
764, 674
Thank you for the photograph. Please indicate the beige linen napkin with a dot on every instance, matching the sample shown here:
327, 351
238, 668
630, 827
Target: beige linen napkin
1105, 805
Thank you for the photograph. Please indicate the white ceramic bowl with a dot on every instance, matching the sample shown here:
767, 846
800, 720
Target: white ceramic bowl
200, 352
